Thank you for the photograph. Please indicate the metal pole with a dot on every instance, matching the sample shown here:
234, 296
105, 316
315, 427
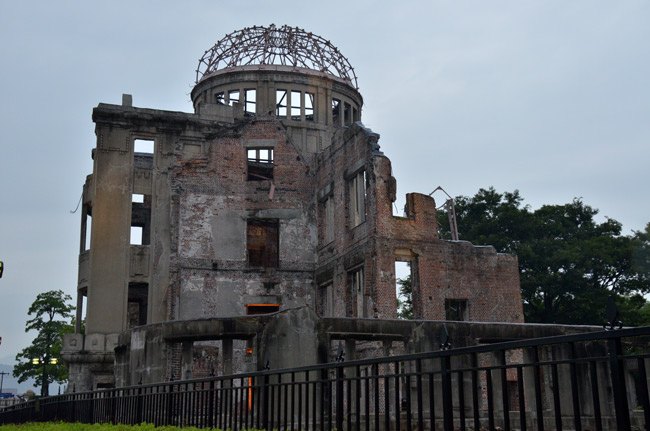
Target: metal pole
44, 387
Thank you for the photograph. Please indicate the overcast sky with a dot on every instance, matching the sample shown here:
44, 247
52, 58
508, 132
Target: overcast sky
548, 97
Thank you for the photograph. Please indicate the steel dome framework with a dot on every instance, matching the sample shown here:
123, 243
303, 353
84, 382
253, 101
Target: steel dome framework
285, 46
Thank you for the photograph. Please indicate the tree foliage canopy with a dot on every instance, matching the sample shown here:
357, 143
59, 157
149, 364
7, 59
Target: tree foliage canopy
569, 262
47, 344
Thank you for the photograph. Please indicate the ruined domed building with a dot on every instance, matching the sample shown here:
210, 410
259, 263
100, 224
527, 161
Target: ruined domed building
259, 227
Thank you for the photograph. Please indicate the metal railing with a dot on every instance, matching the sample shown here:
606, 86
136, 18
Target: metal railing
595, 381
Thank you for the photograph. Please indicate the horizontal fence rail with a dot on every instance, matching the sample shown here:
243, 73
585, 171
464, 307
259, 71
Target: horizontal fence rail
590, 381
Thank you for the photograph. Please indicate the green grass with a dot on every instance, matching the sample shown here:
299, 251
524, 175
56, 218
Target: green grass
60, 426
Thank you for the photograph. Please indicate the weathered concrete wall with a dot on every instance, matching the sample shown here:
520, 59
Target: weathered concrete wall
292, 338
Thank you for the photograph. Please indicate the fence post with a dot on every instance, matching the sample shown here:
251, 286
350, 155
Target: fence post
138, 412
265, 393
170, 401
211, 399
339, 388
445, 376
618, 384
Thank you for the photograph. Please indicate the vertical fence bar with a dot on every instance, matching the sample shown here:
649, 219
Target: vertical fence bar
618, 383
505, 400
418, 383
407, 394
358, 398
375, 373
306, 402
490, 401
557, 408
293, 398
432, 405
577, 423
447, 406
475, 388
537, 382
461, 401
265, 406
522, 398
397, 396
386, 398
643, 391
349, 400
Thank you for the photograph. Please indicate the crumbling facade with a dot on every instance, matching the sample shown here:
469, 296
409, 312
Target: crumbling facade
272, 195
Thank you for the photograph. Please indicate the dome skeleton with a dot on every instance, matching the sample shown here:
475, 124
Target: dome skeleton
285, 46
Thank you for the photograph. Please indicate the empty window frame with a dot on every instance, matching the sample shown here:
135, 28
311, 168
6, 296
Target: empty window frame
295, 105
140, 219
143, 146
137, 304
357, 202
336, 112
86, 227
347, 113
260, 164
262, 308
233, 97
309, 106
262, 239
249, 102
220, 98
356, 289
281, 103
456, 309
325, 300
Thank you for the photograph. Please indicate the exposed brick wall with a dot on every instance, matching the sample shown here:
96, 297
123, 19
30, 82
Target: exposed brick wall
442, 269
214, 183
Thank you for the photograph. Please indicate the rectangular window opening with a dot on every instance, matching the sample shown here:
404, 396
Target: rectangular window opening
249, 102
262, 308
456, 309
140, 219
281, 103
87, 229
137, 304
355, 115
346, 114
143, 146
220, 98
309, 106
357, 192
136, 235
404, 289
233, 97
295, 105
336, 112
260, 164
357, 291
262, 242
325, 300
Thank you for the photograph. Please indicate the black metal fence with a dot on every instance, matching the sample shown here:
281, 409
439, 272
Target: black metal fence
590, 381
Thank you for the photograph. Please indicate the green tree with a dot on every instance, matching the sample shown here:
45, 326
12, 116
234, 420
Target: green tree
405, 298
46, 347
569, 263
